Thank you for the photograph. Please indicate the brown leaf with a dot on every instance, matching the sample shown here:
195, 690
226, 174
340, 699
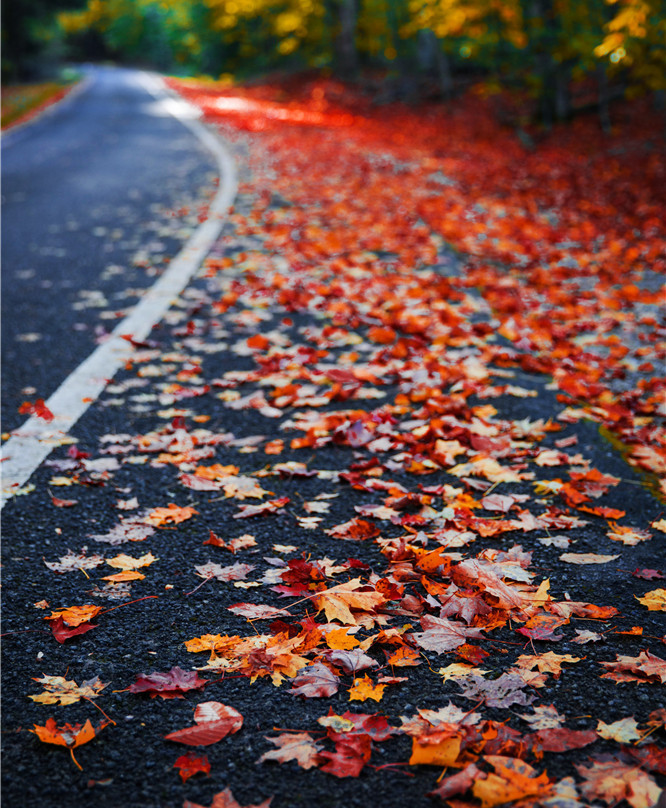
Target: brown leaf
298, 746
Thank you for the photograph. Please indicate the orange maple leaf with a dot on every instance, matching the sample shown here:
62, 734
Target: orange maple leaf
173, 514
364, 688
69, 735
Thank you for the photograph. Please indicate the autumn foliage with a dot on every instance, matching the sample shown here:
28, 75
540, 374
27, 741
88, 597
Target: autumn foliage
420, 321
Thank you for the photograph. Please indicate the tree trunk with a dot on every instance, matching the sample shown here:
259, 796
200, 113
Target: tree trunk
345, 45
604, 100
432, 56
562, 93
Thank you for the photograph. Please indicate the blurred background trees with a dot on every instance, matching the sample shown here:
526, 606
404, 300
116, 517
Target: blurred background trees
559, 54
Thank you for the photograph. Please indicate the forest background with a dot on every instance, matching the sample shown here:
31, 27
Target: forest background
542, 60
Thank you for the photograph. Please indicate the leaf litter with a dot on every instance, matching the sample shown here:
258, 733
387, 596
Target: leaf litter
404, 442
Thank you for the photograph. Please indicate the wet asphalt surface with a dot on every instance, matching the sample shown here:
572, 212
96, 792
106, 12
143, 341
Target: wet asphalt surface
130, 764
97, 195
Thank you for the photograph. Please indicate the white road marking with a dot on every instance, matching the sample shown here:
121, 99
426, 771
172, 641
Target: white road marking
31, 443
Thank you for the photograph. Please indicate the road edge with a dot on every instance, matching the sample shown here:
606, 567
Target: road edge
32, 442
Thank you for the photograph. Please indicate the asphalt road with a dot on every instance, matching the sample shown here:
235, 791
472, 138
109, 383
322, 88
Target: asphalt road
97, 195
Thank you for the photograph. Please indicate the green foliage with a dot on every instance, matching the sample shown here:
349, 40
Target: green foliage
534, 46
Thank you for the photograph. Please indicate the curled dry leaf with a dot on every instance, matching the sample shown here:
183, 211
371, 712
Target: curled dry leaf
214, 721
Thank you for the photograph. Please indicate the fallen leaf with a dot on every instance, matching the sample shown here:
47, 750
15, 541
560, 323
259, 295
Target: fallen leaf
298, 746
213, 721
69, 735
315, 681
587, 558
171, 515
623, 731
170, 685
654, 600
364, 688
225, 799
61, 691
190, 764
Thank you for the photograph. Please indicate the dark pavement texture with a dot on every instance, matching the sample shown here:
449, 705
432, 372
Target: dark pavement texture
94, 201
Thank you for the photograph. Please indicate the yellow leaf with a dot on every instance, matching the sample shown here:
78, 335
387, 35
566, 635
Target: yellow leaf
364, 688
623, 731
125, 575
339, 640
655, 600
125, 562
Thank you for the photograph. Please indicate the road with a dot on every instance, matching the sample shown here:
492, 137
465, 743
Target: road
97, 196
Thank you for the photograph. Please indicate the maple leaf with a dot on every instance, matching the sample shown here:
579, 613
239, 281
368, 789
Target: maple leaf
234, 572
190, 764
75, 615
648, 575
170, 685
441, 635
440, 748
298, 746
272, 506
502, 692
549, 662
337, 601
351, 660
373, 725
125, 575
623, 731
609, 780
314, 681
225, 799
457, 783
355, 529
71, 621
75, 561
351, 754
364, 688
213, 721
654, 600
61, 691
129, 529
513, 780
125, 562
646, 667
171, 515
627, 535
239, 543
543, 627
243, 488
69, 735
544, 717
561, 739
257, 611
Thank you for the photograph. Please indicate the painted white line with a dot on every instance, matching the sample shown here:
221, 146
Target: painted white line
34, 440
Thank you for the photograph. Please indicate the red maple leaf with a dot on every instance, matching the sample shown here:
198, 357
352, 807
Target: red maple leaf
169, 685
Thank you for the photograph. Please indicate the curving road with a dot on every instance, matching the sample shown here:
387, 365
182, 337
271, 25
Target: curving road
97, 195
